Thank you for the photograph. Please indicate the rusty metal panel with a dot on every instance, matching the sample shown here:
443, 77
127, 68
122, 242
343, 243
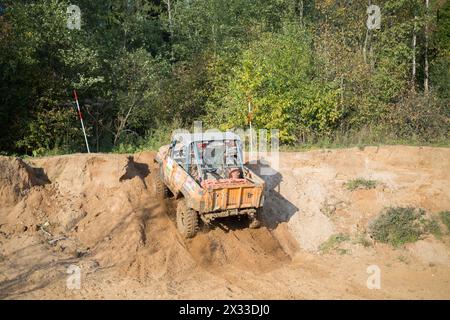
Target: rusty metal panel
248, 197
232, 197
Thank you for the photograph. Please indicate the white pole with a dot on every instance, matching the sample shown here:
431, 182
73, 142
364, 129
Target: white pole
251, 133
81, 119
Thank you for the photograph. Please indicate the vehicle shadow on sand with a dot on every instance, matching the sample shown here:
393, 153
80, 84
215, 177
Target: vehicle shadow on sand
135, 169
276, 209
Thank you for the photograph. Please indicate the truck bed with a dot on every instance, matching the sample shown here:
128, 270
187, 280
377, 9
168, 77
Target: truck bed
234, 195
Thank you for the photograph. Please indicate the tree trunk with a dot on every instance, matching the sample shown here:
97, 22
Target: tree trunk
371, 54
365, 46
169, 12
366, 40
426, 68
414, 43
301, 11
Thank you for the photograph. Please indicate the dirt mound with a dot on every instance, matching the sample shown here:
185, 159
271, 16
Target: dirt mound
100, 213
100, 203
101, 210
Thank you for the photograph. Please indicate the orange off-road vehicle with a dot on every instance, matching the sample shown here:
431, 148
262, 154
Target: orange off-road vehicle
207, 173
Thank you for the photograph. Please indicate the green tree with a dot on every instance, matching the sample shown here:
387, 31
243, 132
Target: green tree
276, 78
136, 85
41, 61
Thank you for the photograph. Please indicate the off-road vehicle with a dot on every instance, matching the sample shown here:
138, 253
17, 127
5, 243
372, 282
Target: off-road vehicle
206, 172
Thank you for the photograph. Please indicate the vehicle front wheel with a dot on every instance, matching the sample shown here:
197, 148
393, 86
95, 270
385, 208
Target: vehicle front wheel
187, 220
161, 190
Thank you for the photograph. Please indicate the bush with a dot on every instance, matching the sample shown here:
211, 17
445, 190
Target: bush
445, 218
424, 118
432, 226
398, 226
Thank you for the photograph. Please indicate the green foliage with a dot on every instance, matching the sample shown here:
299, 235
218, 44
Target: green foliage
308, 68
360, 183
136, 81
275, 77
432, 227
445, 218
217, 26
54, 129
153, 139
397, 226
41, 61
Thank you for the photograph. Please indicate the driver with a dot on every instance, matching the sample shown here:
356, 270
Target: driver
234, 173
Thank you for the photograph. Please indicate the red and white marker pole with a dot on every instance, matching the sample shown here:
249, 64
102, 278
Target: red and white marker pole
81, 119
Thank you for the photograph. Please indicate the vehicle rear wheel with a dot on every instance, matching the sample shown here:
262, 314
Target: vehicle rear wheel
187, 220
254, 224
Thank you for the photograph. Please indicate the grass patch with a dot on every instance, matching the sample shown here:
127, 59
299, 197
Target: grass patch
432, 226
360, 183
397, 226
445, 218
332, 244
363, 240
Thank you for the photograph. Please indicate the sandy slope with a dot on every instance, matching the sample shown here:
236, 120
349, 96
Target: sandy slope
99, 212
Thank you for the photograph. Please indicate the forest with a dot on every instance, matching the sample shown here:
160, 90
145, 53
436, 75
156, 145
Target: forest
314, 70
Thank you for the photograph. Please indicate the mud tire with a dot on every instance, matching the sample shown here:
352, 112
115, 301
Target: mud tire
162, 191
187, 220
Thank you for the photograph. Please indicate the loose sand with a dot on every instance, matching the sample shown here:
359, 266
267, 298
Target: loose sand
99, 212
